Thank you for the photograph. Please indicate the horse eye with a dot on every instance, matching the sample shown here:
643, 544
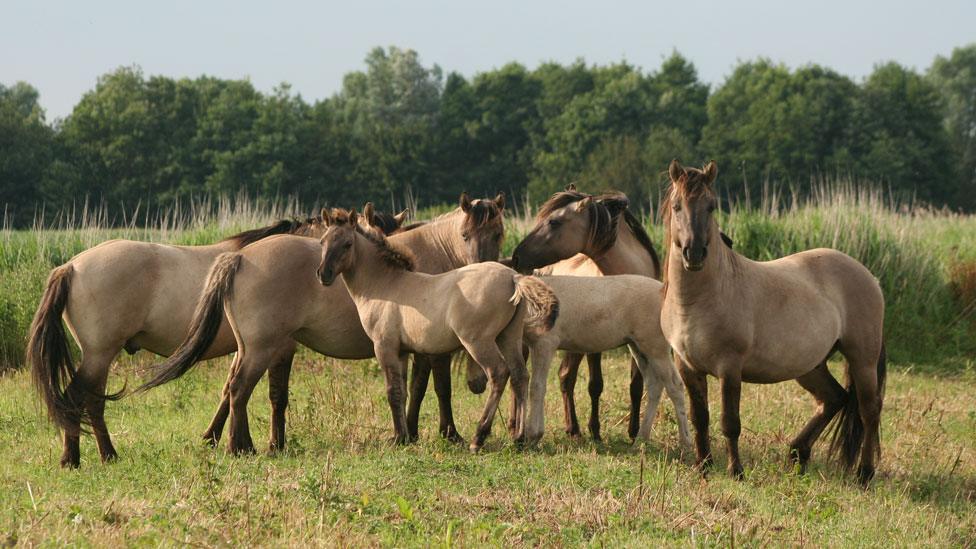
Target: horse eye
711, 208
347, 245
466, 237
676, 207
553, 223
498, 237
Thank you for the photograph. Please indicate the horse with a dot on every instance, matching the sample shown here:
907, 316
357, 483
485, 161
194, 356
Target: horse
124, 294
277, 302
483, 308
766, 322
582, 235
598, 314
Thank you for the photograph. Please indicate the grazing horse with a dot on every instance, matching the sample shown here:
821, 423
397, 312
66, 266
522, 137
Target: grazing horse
582, 235
483, 308
602, 313
767, 322
272, 299
131, 295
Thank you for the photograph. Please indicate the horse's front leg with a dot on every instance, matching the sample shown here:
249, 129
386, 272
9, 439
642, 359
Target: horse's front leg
697, 386
393, 364
595, 388
418, 388
731, 426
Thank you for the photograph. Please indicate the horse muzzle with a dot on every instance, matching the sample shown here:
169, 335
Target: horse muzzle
326, 276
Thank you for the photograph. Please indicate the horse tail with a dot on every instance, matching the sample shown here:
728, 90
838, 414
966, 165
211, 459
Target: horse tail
541, 302
49, 355
204, 325
848, 431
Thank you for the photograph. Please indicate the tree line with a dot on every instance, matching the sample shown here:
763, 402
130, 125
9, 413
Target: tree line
399, 128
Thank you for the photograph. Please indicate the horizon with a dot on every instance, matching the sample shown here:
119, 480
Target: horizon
73, 45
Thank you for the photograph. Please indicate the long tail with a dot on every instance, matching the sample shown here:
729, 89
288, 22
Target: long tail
848, 431
541, 302
48, 352
204, 325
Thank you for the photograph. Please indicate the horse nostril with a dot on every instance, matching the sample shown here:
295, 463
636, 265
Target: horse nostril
686, 253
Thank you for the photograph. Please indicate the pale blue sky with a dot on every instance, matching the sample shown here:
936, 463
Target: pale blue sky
61, 47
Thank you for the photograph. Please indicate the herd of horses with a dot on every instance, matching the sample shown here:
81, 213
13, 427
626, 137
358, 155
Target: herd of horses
586, 279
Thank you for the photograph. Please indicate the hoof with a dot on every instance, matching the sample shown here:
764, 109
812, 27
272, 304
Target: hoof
211, 439
70, 463
864, 475
110, 457
736, 472
242, 450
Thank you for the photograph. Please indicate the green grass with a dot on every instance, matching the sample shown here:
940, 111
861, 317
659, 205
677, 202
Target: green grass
340, 483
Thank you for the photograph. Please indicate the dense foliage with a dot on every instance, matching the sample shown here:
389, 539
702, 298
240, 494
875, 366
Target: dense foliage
399, 128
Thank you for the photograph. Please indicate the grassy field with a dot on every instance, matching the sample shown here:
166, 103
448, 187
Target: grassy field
340, 483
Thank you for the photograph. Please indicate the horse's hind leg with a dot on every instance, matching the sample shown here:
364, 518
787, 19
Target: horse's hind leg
96, 412
595, 388
92, 376
278, 376
830, 397
212, 435
489, 356
418, 388
868, 376
247, 371
568, 371
441, 369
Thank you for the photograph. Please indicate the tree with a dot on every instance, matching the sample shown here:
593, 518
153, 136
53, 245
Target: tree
26, 151
766, 123
955, 79
898, 135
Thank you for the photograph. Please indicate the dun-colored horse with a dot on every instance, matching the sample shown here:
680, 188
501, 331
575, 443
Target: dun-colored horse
130, 295
598, 314
582, 235
272, 299
483, 308
766, 322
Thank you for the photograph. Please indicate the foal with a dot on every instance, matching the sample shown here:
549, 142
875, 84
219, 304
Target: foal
579, 234
766, 322
482, 307
602, 313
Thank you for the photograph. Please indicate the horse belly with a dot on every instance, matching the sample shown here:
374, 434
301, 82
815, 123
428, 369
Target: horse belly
781, 357
337, 340
423, 335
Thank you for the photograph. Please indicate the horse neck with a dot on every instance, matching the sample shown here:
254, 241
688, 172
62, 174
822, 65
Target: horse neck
436, 246
370, 273
716, 279
626, 256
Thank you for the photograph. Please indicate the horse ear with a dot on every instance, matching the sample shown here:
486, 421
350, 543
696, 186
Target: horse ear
725, 239
710, 171
465, 202
326, 217
500, 201
676, 171
584, 204
353, 218
401, 217
571, 188
368, 214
